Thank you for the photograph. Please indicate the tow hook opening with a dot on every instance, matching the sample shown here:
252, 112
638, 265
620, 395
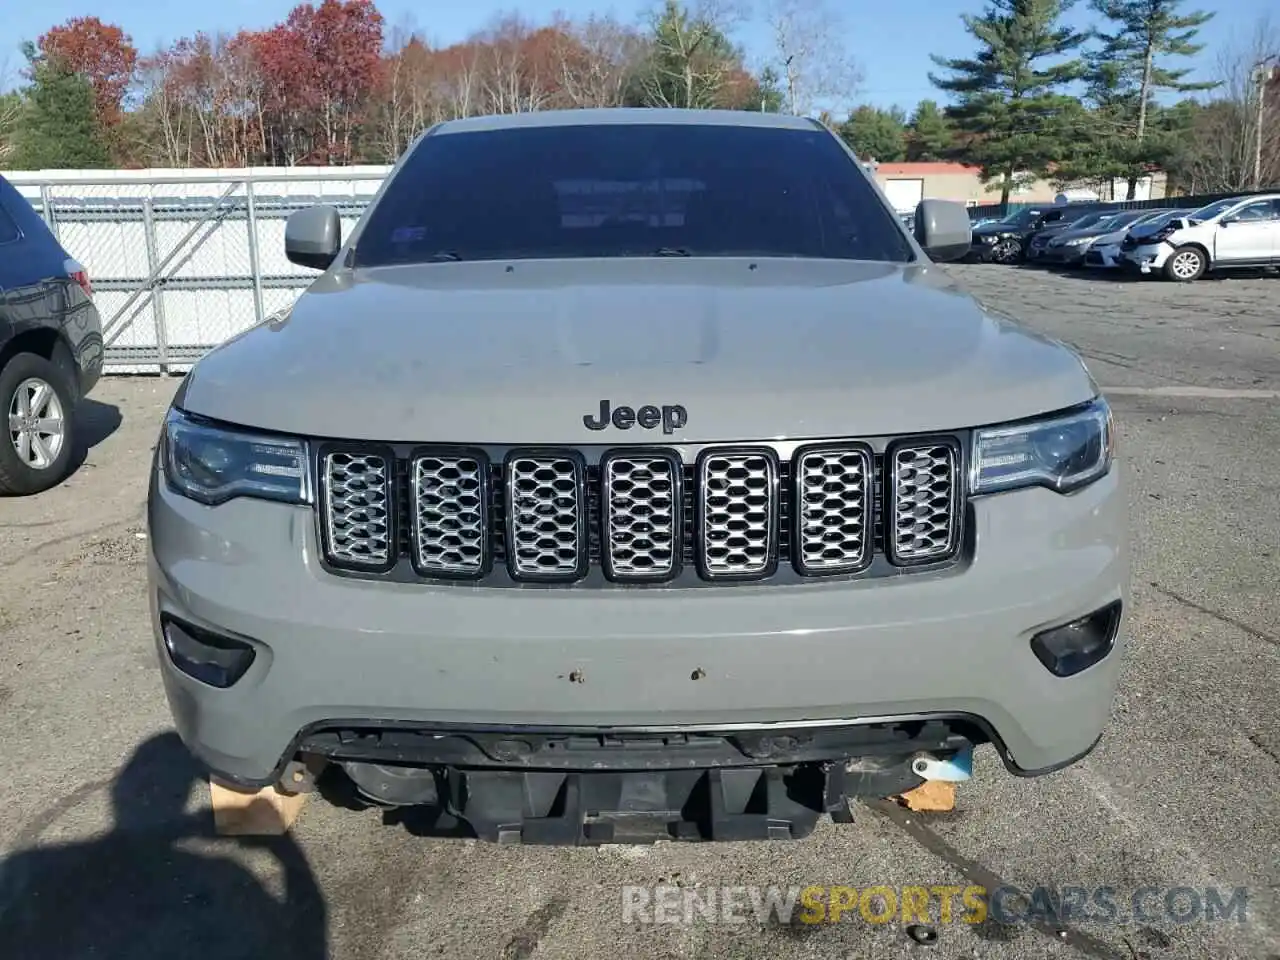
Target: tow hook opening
209, 657
1073, 647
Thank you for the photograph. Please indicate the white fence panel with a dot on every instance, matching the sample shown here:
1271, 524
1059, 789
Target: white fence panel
181, 260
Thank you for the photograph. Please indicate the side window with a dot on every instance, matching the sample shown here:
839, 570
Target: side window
8, 229
1263, 210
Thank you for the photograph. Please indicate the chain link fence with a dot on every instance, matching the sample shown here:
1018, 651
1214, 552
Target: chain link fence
181, 263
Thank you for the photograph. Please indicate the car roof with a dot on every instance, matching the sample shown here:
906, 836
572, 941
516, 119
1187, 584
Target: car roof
595, 116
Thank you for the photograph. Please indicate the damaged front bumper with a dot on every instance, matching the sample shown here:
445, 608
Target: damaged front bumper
565, 787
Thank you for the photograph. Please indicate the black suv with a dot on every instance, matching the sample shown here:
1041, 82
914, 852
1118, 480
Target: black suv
51, 348
1007, 240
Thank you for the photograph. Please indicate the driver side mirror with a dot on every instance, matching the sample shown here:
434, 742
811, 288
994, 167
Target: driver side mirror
943, 229
313, 237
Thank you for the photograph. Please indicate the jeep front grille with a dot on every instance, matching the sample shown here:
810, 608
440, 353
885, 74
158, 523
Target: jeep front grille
737, 514
642, 514
833, 509
546, 508
355, 491
449, 507
924, 491
638, 514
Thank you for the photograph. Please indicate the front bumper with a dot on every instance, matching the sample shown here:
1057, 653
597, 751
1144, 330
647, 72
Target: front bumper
1064, 256
1148, 258
1108, 257
341, 653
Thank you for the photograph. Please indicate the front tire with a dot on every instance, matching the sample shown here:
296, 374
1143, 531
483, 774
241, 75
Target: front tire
1185, 265
1008, 250
38, 430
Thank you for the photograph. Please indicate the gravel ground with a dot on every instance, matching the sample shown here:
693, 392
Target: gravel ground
109, 849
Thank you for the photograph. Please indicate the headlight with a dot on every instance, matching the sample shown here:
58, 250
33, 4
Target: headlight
1063, 453
215, 464
1079, 241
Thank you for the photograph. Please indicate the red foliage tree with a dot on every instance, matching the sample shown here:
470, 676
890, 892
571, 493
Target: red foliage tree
322, 66
101, 52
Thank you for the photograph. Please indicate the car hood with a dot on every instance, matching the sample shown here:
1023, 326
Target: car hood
495, 352
998, 230
1148, 230
1063, 235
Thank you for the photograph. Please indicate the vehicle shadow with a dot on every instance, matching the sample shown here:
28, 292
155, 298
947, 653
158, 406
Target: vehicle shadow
96, 422
142, 890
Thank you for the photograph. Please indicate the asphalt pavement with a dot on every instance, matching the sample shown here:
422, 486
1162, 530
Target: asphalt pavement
108, 849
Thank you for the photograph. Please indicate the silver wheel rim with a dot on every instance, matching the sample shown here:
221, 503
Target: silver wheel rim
1186, 264
37, 425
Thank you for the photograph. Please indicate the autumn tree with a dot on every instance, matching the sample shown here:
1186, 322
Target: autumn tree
320, 70
811, 66
100, 52
597, 60
10, 113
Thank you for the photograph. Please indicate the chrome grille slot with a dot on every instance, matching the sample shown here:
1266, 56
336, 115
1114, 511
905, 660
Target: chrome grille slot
449, 513
358, 514
833, 509
642, 508
546, 515
737, 512
923, 499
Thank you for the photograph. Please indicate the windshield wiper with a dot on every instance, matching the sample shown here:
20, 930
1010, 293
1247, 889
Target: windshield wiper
443, 256
673, 252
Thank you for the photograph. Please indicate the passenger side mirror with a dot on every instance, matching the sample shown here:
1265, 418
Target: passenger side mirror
943, 229
313, 237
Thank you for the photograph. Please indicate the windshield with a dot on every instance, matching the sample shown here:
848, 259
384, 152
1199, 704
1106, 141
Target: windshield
1161, 219
1116, 221
1213, 209
1088, 220
1021, 218
630, 190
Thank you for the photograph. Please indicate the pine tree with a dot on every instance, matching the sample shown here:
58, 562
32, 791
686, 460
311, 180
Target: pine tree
929, 135
1010, 110
1144, 31
691, 60
59, 127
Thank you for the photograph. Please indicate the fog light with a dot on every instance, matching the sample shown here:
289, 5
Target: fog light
1078, 645
208, 657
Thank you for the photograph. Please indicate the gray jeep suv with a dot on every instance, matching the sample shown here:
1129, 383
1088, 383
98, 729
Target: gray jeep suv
633, 474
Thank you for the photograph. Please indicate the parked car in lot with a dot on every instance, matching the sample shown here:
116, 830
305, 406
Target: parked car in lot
50, 349
1067, 247
1005, 241
673, 576
1235, 233
1104, 252
1039, 241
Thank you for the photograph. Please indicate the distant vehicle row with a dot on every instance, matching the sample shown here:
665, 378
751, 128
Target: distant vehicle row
1179, 244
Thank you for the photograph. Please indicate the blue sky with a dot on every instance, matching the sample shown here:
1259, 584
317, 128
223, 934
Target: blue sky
891, 41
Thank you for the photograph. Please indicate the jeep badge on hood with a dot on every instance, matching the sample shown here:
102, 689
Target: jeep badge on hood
671, 416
